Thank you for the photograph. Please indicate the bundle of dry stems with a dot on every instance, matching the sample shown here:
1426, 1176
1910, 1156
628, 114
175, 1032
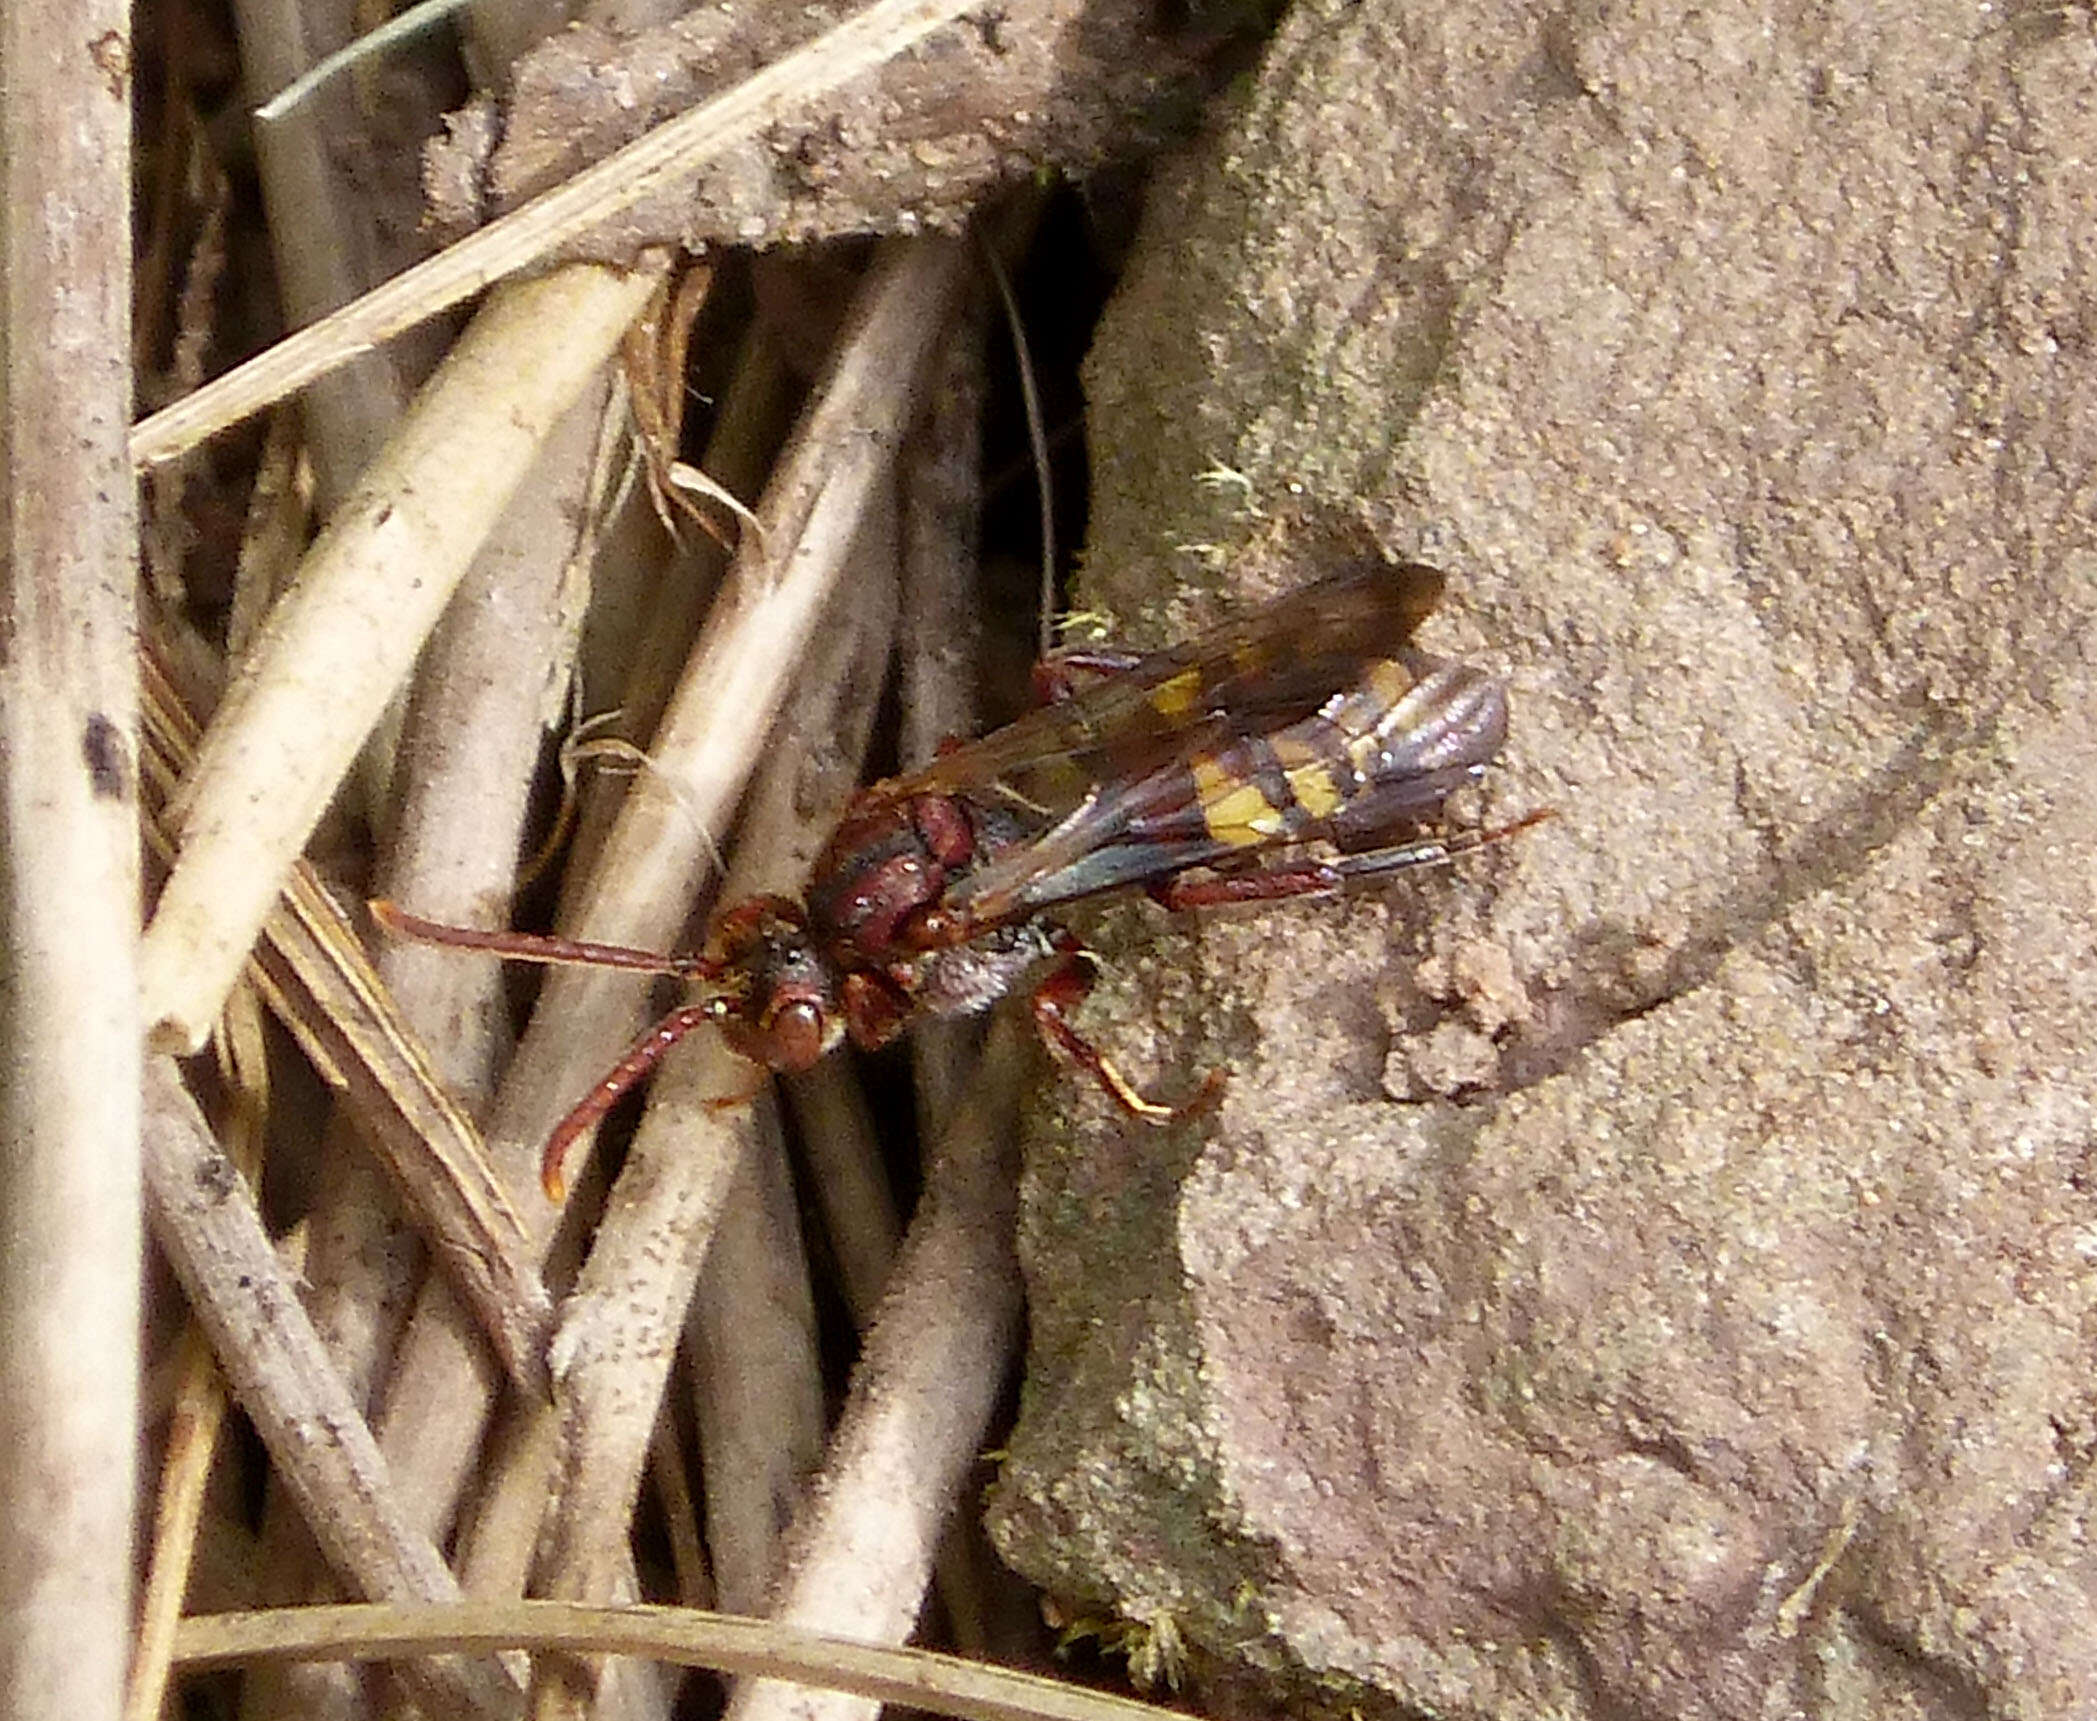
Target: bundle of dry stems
439, 1426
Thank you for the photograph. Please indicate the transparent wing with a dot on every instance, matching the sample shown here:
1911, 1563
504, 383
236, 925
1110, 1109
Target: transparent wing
1262, 668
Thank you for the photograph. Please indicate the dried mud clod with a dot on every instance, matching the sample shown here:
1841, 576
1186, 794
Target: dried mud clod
919, 146
1703, 1337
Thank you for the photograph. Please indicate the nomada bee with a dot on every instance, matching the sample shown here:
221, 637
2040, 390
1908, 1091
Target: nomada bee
1198, 774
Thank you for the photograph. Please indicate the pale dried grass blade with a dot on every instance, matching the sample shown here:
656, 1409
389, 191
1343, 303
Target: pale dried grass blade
684, 1637
687, 481
313, 972
347, 633
321, 985
193, 1430
650, 164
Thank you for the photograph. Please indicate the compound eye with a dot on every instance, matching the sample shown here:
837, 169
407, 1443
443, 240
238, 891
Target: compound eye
794, 1037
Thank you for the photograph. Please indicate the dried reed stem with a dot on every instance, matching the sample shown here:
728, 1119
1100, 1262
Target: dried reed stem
942, 637
69, 1107
206, 1222
751, 1320
913, 1678
652, 163
643, 884
679, 1188
343, 638
922, 1396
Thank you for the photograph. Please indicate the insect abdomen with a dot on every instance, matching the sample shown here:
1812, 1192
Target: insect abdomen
1391, 743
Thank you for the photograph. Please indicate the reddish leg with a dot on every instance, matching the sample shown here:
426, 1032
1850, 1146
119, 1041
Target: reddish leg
1060, 991
1262, 884
639, 1058
1310, 877
1057, 675
1374, 863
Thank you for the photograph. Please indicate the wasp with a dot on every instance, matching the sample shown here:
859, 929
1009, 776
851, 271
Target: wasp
1203, 774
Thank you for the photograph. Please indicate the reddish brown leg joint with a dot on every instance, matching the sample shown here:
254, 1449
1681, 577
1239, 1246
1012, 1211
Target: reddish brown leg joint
1265, 884
1060, 991
1056, 676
